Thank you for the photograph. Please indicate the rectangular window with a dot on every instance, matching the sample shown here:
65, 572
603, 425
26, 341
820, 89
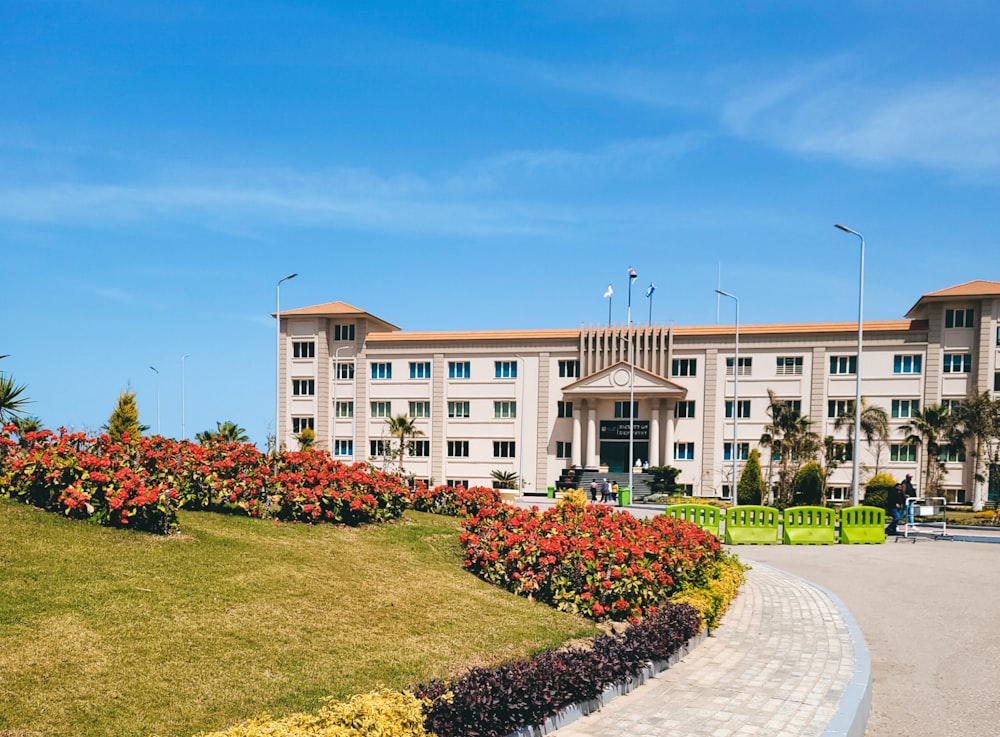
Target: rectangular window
744, 408
343, 447
685, 408
957, 363
958, 318
789, 366
380, 448
458, 448
952, 455
950, 404
744, 451
345, 370
996, 382
795, 404
505, 369
381, 409
420, 409
503, 448
843, 364
843, 451
899, 453
459, 369
343, 332
382, 370
569, 369
746, 364
684, 367
419, 448
564, 409
455, 483
837, 407
902, 408
303, 387
458, 409
504, 410
345, 409
301, 423
909, 364
683, 451
420, 369
564, 449
621, 409
303, 349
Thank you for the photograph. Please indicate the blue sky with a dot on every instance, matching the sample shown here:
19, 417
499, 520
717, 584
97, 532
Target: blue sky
466, 165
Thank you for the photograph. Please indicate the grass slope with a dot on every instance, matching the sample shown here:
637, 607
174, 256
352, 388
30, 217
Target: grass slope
107, 632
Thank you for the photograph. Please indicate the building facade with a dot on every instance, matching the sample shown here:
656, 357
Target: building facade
533, 402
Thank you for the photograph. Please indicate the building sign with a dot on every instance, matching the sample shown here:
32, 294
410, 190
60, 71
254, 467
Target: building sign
618, 430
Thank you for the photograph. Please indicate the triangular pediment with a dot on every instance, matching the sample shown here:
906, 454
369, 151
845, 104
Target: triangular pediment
616, 380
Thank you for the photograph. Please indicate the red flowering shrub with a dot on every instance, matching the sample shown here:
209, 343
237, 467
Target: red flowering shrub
454, 501
598, 562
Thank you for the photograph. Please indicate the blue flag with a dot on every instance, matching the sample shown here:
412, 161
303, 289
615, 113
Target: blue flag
650, 289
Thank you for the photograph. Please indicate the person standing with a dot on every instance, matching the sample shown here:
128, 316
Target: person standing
897, 500
593, 490
911, 494
605, 490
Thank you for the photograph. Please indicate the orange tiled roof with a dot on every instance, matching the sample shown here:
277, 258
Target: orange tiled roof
976, 288
335, 309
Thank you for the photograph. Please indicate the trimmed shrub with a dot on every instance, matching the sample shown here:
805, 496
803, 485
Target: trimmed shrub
878, 491
750, 489
808, 485
712, 599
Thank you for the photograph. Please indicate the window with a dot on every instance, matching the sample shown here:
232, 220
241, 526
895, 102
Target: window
838, 493
794, 404
419, 448
684, 367
343, 332
899, 453
458, 409
303, 387
838, 407
505, 369
380, 448
683, 451
789, 365
345, 370
459, 370
958, 318
458, 448
842, 452
420, 409
744, 408
381, 409
455, 483
503, 448
685, 408
996, 382
621, 409
906, 364
564, 409
504, 410
684, 489
746, 364
957, 363
381, 370
301, 423
303, 349
952, 455
843, 364
343, 447
345, 409
563, 449
948, 405
420, 370
742, 448
569, 369
905, 408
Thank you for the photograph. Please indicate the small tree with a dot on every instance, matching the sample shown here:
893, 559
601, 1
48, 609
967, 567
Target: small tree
12, 401
878, 491
306, 438
750, 489
505, 479
124, 419
664, 479
809, 484
225, 432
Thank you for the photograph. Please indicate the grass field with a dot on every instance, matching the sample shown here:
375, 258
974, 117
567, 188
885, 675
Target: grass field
107, 632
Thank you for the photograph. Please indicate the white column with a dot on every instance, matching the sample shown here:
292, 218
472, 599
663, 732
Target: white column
669, 420
592, 460
577, 450
654, 432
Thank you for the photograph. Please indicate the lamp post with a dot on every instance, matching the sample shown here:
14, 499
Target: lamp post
736, 394
277, 360
632, 276
857, 393
183, 426
336, 377
157, 371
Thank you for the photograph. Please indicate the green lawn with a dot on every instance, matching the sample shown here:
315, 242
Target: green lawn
108, 632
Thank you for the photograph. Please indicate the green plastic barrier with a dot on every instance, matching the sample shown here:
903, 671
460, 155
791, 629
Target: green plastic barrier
862, 525
705, 516
809, 526
751, 524
624, 497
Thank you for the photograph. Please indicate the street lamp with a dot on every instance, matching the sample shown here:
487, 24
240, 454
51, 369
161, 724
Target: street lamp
157, 398
857, 392
277, 359
183, 428
736, 394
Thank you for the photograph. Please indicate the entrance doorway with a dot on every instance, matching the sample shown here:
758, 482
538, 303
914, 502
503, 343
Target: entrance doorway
614, 454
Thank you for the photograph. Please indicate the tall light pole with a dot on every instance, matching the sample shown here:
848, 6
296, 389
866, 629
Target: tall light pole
277, 359
857, 393
736, 395
183, 427
632, 276
157, 398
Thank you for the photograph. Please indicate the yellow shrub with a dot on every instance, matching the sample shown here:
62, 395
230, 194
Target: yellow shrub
985, 514
576, 498
713, 599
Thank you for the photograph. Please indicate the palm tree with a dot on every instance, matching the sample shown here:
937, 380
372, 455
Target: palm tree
25, 425
505, 479
977, 419
402, 427
874, 427
12, 403
225, 432
930, 430
790, 441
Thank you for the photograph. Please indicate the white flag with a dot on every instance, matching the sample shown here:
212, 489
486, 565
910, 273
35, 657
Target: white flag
607, 294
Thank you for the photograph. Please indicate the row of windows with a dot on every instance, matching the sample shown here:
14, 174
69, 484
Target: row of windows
502, 409
463, 369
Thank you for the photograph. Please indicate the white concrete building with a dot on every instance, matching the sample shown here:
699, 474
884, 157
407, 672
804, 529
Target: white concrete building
537, 401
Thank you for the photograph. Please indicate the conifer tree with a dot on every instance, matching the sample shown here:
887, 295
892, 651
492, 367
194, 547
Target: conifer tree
750, 490
125, 418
